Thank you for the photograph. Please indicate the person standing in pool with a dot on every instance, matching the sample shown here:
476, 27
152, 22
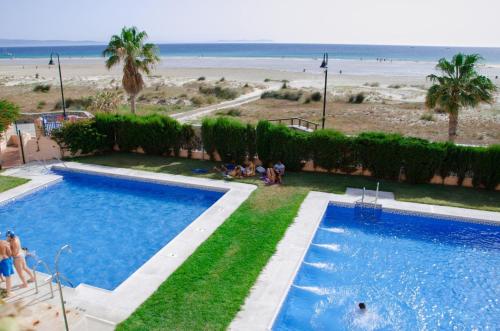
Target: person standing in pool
6, 265
18, 256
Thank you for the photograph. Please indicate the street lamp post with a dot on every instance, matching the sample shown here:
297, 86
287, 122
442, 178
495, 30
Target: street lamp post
51, 62
324, 65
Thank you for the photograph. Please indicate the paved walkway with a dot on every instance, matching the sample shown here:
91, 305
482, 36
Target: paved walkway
10, 157
197, 114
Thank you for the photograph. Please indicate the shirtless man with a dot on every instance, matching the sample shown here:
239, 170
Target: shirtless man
6, 267
18, 256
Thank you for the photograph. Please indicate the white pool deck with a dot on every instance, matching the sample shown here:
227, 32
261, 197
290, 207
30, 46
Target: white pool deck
269, 292
102, 308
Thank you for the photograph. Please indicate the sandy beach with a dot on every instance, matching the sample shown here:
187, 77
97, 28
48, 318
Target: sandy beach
394, 91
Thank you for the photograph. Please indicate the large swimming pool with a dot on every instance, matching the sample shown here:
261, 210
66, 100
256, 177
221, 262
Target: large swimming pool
113, 225
412, 272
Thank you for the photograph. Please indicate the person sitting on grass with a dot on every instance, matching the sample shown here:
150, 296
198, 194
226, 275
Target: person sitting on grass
270, 178
237, 172
19, 261
279, 168
249, 169
225, 169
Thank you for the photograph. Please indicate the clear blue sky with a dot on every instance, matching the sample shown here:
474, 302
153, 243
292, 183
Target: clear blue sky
415, 22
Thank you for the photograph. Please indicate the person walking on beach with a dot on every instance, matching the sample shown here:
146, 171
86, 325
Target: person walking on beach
6, 266
18, 256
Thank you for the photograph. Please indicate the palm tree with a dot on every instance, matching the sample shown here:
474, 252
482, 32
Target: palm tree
137, 57
460, 86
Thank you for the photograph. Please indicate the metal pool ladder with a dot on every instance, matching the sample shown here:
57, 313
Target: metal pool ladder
366, 209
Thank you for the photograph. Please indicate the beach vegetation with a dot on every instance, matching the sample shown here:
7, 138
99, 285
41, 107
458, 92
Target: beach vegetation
357, 98
202, 78
197, 100
283, 94
9, 112
225, 93
233, 112
458, 86
137, 56
374, 84
44, 88
105, 101
75, 103
429, 117
396, 86
267, 80
41, 104
316, 96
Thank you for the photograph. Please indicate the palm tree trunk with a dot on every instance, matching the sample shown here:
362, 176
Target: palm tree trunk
452, 126
132, 103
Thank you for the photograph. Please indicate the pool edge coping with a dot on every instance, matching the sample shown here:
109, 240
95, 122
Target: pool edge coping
116, 305
263, 305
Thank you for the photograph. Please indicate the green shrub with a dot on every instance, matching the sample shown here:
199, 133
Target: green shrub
396, 86
283, 94
267, 80
231, 139
427, 117
40, 105
44, 88
380, 153
202, 78
80, 103
485, 166
279, 143
80, 136
9, 112
198, 100
358, 98
225, 93
421, 159
316, 96
332, 150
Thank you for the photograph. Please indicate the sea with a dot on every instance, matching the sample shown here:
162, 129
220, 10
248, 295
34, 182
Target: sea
350, 59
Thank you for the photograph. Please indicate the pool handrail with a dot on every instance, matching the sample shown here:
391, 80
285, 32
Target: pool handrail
38, 262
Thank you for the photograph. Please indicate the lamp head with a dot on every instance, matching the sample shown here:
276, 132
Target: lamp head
324, 63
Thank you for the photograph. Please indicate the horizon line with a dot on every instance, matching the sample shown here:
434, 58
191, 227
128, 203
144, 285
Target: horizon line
253, 41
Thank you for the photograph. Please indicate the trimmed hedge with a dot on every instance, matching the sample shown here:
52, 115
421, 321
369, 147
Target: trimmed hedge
156, 134
231, 139
387, 156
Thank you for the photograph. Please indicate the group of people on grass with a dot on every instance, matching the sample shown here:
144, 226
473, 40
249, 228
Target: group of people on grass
12, 257
273, 174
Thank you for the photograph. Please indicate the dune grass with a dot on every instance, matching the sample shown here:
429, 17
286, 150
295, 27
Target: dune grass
6, 182
207, 291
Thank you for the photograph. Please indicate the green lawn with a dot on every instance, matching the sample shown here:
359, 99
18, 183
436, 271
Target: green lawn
206, 292
7, 182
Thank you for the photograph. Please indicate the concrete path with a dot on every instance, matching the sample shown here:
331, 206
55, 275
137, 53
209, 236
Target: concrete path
201, 112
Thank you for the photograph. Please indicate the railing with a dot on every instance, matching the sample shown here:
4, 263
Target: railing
297, 121
39, 262
49, 126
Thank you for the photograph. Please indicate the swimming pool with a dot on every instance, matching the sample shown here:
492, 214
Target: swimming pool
413, 272
114, 225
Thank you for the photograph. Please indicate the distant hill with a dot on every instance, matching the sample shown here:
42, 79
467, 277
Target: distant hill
35, 43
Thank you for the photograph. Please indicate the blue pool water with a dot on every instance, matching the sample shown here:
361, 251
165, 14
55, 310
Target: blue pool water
113, 225
413, 273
